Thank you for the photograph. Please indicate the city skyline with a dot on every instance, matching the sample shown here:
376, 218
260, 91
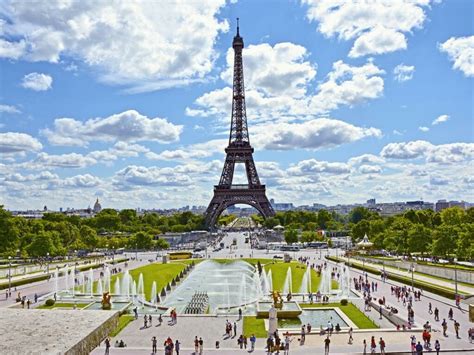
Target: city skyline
339, 111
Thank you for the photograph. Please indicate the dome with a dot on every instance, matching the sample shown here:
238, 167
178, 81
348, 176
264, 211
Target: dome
97, 206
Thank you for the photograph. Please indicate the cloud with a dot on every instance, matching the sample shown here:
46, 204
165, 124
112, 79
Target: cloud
129, 42
345, 85
444, 153
37, 81
9, 109
440, 119
370, 169
71, 160
82, 181
460, 50
438, 180
14, 143
119, 150
377, 26
403, 72
128, 126
150, 176
423, 128
366, 159
312, 166
314, 134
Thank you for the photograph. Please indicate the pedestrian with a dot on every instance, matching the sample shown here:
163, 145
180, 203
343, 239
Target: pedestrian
253, 339
364, 343
235, 329
419, 349
436, 314
303, 335
153, 345
350, 336
450, 313
176, 346
201, 346
240, 313
135, 312
149, 319
145, 321
437, 346
445, 327
430, 311
327, 341
373, 346
456, 328
36, 298
380, 312
107, 346
382, 346
160, 320
196, 344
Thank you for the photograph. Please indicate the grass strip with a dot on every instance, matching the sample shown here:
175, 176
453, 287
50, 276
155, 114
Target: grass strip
124, 320
351, 311
255, 326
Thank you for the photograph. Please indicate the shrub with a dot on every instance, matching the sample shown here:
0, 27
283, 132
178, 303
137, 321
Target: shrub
50, 302
344, 302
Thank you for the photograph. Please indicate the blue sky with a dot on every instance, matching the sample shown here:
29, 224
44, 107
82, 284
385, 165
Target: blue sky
131, 101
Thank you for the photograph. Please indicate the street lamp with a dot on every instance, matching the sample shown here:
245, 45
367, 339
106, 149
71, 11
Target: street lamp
47, 264
455, 278
9, 274
412, 277
136, 252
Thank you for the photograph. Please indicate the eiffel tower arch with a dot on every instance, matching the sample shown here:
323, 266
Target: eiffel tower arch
239, 151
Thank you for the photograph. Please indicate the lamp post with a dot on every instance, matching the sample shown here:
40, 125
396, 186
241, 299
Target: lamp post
455, 278
136, 252
47, 264
412, 277
113, 255
9, 274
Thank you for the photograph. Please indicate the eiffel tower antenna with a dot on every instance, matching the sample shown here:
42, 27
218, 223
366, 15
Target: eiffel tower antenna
239, 151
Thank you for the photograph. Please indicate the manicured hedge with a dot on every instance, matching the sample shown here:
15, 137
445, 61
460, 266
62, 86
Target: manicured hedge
406, 280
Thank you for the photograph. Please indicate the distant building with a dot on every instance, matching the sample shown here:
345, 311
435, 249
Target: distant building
460, 204
371, 201
441, 205
97, 207
281, 206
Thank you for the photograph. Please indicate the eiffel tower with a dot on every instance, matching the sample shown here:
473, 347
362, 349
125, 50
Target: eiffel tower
239, 151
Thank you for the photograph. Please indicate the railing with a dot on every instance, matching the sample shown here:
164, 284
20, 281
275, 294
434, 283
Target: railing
240, 187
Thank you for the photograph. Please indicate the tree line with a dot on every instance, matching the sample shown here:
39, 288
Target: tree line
448, 233
58, 234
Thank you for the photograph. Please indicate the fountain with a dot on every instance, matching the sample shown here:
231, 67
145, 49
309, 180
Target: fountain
270, 280
288, 284
243, 290
72, 281
345, 283
134, 289
99, 287
125, 286
153, 293
325, 285
91, 282
66, 278
304, 288
117, 286
265, 284
141, 287
107, 279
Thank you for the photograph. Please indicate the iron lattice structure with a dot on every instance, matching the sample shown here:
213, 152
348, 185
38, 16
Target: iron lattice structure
239, 151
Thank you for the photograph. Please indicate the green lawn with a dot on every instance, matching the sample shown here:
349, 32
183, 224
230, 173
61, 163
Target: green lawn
63, 305
254, 325
161, 273
124, 320
355, 315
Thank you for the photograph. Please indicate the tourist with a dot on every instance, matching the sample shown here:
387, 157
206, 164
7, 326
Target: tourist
201, 346
456, 327
338, 327
240, 341
445, 327
436, 314
240, 313
176, 346
327, 341
412, 343
373, 346
153, 345
107, 346
28, 302
450, 313
145, 321
303, 335
380, 312
350, 336
470, 334
382, 346
235, 329
277, 343
308, 328
135, 312
196, 344
430, 311
437, 346
364, 343
150, 319
160, 320
36, 298
419, 349
269, 345
253, 339
287, 344
245, 342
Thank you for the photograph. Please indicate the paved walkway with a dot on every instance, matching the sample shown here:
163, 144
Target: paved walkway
436, 281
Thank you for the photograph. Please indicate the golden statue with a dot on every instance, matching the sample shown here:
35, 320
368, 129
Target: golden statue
106, 303
277, 300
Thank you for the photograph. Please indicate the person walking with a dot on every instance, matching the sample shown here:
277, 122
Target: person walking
153, 345
253, 339
196, 345
235, 329
176, 346
450, 313
445, 327
107, 346
419, 349
350, 336
373, 346
437, 346
327, 341
382, 346
201, 346
436, 314
430, 310
364, 344
456, 328
380, 312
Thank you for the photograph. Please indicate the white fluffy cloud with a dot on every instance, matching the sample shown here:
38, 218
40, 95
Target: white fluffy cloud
378, 26
132, 42
423, 128
9, 109
71, 160
440, 119
461, 51
37, 81
313, 166
403, 72
128, 126
443, 153
150, 176
314, 134
370, 169
14, 143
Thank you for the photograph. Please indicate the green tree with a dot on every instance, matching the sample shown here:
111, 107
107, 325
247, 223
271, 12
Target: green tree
141, 240
419, 239
89, 237
359, 229
161, 244
9, 233
465, 242
324, 217
453, 216
444, 238
271, 222
42, 244
358, 214
291, 236
308, 236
